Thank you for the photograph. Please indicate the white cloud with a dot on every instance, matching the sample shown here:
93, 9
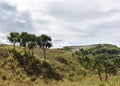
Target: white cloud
73, 21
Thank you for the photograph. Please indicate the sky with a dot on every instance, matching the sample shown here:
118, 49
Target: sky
68, 22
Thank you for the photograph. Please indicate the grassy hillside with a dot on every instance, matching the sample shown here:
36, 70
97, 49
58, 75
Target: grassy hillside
62, 68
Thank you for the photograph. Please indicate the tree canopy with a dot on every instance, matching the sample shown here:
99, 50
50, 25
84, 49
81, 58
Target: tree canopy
14, 37
100, 60
30, 41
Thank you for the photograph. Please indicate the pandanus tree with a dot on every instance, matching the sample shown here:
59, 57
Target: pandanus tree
32, 42
13, 38
24, 40
44, 41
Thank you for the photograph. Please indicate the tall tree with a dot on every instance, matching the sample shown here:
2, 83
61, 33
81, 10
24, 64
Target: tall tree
39, 43
24, 39
13, 38
32, 42
44, 41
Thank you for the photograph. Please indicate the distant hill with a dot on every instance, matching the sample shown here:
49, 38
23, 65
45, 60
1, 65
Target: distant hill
77, 47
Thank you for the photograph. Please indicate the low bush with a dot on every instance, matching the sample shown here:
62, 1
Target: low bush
4, 53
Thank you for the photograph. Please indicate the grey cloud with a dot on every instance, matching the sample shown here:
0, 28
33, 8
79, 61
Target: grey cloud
107, 31
8, 7
12, 20
108, 26
72, 12
57, 40
43, 21
71, 17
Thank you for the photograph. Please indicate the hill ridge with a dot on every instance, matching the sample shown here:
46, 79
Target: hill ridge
77, 47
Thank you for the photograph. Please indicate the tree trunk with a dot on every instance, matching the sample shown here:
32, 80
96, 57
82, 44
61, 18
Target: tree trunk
39, 51
32, 51
25, 50
44, 53
14, 46
106, 77
29, 52
100, 76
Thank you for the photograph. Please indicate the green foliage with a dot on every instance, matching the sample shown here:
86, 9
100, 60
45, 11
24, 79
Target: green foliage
67, 48
101, 59
62, 59
44, 41
14, 37
30, 41
30, 64
24, 38
48, 72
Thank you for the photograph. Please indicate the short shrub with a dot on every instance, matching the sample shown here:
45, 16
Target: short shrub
67, 48
4, 77
33, 78
4, 53
62, 59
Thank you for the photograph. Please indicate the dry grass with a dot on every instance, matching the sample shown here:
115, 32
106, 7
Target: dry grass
63, 62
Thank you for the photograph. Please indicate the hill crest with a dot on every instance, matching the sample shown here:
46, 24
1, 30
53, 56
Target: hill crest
77, 47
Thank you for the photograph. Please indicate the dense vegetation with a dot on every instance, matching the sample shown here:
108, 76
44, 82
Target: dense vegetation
24, 65
103, 59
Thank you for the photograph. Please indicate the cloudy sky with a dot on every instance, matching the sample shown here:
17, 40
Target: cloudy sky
68, 22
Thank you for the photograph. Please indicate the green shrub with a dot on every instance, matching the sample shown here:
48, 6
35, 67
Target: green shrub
67, 48
62, 59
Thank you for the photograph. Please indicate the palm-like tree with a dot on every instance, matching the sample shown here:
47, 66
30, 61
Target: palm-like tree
32, 42
44, 41
24, 39
13, 38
